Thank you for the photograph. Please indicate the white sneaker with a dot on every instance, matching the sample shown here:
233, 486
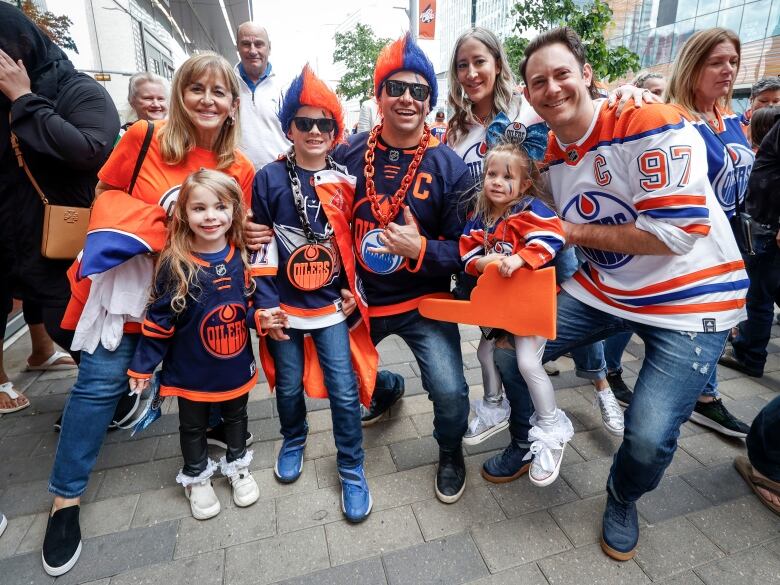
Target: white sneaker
203, 500
245, 490
489, 419
611, 413
547, 447
551, 368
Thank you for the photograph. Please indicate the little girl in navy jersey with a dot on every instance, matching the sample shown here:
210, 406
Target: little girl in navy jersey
197, 325
515, 229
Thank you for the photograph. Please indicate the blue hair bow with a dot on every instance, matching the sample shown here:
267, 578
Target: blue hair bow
532, 138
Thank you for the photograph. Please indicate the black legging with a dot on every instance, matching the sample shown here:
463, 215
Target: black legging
193, 422
763, 441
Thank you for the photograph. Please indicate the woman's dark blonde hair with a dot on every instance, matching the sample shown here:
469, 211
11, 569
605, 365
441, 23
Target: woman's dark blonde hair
178, 136
176, 259
457, 98
482, 206
687, 68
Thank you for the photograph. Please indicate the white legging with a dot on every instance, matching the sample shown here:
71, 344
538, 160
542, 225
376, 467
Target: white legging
529, 351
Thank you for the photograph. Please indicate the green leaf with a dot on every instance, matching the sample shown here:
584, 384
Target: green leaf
358, 49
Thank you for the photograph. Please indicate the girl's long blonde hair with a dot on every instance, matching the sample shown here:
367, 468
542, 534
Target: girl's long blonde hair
177, 137
176, 260
457, 98
689, 63
482, 206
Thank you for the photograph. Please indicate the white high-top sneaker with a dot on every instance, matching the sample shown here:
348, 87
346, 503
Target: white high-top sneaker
245, 490
203, 500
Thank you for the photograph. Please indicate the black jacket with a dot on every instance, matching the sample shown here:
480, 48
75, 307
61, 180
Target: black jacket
66, 128
763, 197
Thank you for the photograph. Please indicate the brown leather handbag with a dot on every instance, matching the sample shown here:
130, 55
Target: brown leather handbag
64, 226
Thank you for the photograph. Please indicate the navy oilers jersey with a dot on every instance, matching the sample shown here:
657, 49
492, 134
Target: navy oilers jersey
205, 349
437, 198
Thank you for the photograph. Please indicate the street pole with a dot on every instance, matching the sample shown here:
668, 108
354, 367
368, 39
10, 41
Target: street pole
414, 18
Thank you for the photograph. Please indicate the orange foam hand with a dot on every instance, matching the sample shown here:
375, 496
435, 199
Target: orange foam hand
523, 304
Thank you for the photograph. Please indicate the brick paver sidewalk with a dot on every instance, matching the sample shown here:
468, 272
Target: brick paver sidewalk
702, 525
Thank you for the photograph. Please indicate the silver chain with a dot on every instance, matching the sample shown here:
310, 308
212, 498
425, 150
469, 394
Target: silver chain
300, 203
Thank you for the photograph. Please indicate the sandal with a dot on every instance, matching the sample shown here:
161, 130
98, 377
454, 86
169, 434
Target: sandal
51, 365
745, 469
8, 389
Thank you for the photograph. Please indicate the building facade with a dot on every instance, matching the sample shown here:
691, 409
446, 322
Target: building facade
657, 29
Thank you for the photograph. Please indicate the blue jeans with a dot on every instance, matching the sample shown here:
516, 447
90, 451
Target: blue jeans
332, 344
763, 441
676, 367
436, 347
101, 382
764, 272
588, 359
613, 351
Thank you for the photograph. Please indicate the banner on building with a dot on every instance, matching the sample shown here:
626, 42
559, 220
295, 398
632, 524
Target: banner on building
427, 24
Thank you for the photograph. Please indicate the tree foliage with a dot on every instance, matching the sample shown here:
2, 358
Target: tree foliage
57, 28
358, 50
590, 20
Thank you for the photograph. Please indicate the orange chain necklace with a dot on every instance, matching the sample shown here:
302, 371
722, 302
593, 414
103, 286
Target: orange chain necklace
398, 197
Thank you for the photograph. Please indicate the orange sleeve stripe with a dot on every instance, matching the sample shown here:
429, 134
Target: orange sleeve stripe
671, 201
139, 375
696, 228
206, 396
269, 271
154, 326
672, 282
418, 264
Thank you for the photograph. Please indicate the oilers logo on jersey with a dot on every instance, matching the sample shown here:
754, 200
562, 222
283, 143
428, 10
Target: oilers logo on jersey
223, 331
168, 199
473, 159
602, 208
732, 177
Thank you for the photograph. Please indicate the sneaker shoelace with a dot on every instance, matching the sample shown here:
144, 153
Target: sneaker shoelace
541, 449
608, 404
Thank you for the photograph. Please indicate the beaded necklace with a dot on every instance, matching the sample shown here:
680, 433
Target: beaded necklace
398, 197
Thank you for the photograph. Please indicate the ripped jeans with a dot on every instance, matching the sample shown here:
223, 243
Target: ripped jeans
676, 368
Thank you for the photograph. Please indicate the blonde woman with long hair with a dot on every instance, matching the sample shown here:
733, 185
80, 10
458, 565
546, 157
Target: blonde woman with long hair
701, 85
200, 132
487, 111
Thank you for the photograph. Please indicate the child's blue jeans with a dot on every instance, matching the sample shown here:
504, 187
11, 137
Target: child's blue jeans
333, 352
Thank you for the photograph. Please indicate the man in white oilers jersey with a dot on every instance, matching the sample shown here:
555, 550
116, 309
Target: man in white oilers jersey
661, 260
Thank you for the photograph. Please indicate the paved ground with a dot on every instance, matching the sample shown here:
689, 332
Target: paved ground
702, 525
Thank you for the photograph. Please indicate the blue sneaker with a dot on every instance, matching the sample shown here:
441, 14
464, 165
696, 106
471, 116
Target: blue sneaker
289, 463
356, 502
620, 529
506, 466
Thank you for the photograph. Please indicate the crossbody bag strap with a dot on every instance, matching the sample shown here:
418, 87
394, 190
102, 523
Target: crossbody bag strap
22, 164
142, 154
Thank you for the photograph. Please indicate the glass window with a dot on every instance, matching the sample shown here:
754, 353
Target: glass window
663, 47
731, 18
682, 30
774, 20
686, 10
707, 6
754, 25
730, 3
707, 21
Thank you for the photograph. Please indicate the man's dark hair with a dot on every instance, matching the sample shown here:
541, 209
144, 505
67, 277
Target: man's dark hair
567, 37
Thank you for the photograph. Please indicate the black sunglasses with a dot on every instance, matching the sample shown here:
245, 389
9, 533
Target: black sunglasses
418, 91
325, 125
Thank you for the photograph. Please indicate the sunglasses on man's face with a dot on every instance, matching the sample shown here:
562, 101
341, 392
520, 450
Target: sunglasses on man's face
325, 125
418, 91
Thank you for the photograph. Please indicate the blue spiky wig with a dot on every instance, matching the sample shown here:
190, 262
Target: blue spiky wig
309, 90
404, 55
